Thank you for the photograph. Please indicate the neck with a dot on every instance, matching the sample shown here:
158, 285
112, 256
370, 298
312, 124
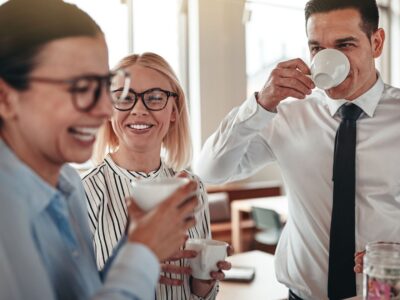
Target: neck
136, 160
47, 170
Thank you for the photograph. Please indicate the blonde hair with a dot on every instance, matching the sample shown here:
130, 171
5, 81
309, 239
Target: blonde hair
177, 144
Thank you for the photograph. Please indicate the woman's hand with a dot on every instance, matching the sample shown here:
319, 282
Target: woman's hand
358, 261
202, 287
173, 269
164, 229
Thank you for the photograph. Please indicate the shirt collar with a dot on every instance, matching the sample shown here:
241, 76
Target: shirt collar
367, 101
38, 192
133, 175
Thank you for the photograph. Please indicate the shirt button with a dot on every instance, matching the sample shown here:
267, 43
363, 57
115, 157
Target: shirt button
75, 253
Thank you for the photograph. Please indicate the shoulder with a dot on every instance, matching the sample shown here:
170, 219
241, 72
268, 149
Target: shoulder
95, 172
392, 92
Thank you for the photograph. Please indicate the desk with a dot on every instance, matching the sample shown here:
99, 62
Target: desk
279, 204
264, 285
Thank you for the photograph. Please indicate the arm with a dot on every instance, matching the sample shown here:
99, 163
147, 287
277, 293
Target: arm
129, 277
237, 149
240, 146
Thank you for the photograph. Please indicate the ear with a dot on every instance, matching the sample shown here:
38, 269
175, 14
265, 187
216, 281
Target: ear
173, 114
377, 41
8, 100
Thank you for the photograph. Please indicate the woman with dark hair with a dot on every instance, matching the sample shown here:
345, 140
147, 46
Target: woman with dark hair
54, 96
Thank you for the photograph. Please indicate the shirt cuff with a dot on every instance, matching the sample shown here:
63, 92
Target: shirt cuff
134, 271
253, 114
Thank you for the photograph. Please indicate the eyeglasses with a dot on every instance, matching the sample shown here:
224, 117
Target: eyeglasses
86, 90
153, 99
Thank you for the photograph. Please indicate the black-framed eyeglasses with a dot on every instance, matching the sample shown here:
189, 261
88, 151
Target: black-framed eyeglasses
86, 90
153, 99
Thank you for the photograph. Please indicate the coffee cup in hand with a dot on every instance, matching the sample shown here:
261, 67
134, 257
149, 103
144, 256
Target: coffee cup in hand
209, 253
329, 68
149, 193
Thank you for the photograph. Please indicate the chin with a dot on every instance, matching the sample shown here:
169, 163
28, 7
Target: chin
79, 158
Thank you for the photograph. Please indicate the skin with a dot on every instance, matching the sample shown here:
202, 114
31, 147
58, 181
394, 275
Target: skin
39, 120
358, 261
40, 127
338, 29
139, 150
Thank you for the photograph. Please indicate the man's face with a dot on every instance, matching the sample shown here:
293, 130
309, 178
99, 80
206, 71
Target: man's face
341, 30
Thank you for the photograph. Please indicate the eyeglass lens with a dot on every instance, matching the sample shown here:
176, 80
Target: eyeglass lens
154, 99
87, 90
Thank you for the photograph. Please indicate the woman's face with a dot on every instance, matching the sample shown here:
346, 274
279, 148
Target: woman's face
141, 130
45, 128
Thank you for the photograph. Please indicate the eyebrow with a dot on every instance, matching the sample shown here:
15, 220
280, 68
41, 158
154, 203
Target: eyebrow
338, 41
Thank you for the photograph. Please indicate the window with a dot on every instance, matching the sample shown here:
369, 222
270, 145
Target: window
112, 17
275, 32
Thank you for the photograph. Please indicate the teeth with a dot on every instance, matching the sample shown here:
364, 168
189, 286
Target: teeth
85, 134
139, 126
87, 130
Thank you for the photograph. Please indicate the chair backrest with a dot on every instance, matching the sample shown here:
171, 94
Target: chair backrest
218, 204
266, 218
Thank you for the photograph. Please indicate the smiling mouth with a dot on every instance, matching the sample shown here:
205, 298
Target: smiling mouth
140, 126
84, 134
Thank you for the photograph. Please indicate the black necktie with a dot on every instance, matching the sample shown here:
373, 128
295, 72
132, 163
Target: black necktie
341, 277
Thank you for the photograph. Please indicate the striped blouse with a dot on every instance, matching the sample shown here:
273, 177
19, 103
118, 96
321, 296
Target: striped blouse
106, 187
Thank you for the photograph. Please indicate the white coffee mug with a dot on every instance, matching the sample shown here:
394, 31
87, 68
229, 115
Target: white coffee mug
329, 68
209, 253
149, 193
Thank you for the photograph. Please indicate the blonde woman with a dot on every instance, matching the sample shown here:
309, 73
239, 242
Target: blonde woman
146, 138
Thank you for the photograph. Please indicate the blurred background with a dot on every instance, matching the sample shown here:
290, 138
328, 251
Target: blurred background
222, 50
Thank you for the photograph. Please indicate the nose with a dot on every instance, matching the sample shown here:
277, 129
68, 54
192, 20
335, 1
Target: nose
139, 108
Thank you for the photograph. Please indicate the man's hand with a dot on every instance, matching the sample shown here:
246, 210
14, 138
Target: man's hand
288, 79
358, 261
164, 228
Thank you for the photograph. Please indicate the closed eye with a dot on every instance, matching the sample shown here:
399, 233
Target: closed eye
345, 45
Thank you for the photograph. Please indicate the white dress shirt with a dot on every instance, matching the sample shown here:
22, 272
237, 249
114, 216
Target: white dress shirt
300, 137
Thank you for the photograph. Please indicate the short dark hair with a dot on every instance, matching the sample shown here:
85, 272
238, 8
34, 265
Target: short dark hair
27, 25
368, 10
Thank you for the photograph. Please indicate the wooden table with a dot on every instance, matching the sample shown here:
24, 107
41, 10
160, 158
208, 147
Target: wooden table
279, 204
264, 285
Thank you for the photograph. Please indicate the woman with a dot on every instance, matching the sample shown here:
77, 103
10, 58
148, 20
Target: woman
151, 120
54, 96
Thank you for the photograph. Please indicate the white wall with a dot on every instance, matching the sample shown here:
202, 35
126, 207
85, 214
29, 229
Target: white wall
217, 75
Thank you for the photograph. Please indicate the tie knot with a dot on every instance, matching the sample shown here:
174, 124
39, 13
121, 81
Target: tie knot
350, 112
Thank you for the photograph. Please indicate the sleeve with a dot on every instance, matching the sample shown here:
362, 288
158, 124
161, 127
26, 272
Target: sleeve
133, 275
133, 272
239, 147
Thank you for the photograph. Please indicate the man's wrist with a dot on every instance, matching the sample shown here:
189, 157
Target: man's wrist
257, 96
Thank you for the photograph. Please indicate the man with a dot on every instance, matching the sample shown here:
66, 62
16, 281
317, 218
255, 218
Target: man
313, 256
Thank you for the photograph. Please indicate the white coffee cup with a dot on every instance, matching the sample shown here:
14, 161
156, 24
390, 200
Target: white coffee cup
149, 193
329, 68
209, 253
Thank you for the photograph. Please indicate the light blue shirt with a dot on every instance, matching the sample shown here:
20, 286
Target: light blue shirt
46, 250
